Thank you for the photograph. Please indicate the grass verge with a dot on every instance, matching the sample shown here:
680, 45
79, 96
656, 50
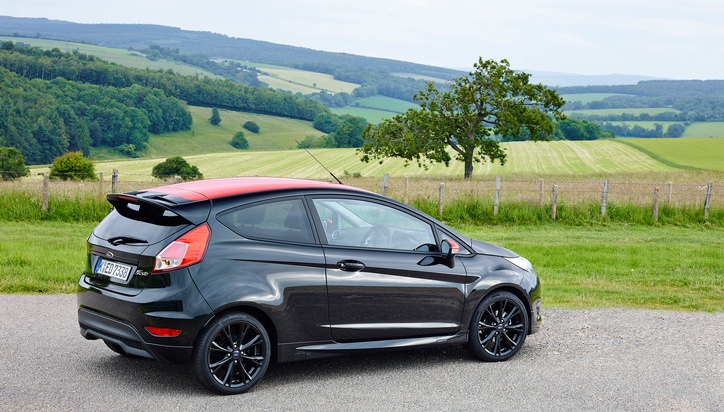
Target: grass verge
617, 265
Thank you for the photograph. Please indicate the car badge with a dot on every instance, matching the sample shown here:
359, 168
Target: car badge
109, 254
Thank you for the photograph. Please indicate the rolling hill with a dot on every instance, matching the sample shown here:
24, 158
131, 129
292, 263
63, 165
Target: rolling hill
602, 157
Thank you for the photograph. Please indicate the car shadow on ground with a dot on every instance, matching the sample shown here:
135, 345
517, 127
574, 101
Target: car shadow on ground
144, 375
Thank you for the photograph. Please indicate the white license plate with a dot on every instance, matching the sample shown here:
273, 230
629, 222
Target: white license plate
113, 269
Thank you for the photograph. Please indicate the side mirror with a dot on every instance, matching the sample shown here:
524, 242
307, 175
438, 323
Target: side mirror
449, 249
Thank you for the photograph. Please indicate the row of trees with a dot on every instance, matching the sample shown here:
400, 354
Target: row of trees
673, 130
342, 131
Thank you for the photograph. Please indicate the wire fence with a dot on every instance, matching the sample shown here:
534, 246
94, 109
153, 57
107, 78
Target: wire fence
498, 190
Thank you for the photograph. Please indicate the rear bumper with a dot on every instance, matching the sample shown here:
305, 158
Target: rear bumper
121, 319
94, 326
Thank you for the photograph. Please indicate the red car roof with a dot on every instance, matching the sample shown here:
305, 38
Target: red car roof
216, 188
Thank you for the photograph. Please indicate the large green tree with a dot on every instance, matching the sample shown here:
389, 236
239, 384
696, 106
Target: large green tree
72, 166
176, 166
492, 100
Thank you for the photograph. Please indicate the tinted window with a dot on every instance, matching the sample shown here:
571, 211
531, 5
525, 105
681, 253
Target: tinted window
350, 222
138, 222
284, 220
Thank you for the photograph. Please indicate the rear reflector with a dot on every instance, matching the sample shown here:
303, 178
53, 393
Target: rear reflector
184, 251
163, 332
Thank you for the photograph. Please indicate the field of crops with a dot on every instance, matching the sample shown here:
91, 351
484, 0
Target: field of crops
525, 158
310, 82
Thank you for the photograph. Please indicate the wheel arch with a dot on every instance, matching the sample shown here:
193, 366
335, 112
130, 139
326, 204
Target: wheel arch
477, 296
257, 313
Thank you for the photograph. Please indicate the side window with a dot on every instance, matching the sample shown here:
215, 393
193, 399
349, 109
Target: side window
359, 223
284, 220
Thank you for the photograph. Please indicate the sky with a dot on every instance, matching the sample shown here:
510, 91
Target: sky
672, 39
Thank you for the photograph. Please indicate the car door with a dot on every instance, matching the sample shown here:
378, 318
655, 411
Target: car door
386, 278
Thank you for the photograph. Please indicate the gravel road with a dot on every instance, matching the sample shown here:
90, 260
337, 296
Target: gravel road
610, 359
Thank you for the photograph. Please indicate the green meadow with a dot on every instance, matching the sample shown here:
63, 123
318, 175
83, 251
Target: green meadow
699, 152
276, 133
119, 56
386, 103
626, 110
707, 129
580, 267
373, 116
588, 97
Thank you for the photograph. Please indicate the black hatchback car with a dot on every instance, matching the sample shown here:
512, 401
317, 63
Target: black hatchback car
230, 274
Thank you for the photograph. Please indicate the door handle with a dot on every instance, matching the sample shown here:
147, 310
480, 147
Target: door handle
350, 265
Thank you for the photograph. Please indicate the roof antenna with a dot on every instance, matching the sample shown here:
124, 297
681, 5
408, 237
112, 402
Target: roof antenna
320, 163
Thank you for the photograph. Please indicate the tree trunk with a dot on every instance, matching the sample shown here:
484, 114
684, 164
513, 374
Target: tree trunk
468, 168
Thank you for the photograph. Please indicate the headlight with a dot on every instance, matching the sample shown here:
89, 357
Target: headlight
521, 262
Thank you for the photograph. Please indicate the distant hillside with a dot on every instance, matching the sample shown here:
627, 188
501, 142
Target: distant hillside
556, 79
140, 36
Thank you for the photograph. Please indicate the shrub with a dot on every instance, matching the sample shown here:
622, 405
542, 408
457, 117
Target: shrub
176, 166
127, 150
252, 127
12, 164
72, 166
215, 118
239, 141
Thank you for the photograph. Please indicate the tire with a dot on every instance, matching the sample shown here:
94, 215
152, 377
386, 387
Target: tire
232, 354
498, 328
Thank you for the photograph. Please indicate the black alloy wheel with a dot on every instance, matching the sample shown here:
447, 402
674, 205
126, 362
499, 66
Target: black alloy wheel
232, 354
498, 328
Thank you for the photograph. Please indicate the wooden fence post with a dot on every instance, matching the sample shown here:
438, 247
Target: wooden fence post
707, 200
114, 181
100, 186
496, 204
46, 191
604, 197
656, 204
540, 192
440, 200
385, 183
671, 190
554, 204
404, 194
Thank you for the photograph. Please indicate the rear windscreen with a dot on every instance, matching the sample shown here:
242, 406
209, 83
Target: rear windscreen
141, 221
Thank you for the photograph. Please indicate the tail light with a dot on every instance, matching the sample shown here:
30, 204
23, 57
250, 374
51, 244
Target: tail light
163, 332
184, 251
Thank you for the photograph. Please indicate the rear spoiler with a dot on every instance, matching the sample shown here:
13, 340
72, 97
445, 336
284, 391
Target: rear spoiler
160, 208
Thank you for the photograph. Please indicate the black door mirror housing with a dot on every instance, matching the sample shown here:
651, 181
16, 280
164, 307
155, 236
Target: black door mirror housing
449, 249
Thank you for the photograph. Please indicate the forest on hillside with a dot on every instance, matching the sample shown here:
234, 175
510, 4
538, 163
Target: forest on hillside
52, 102
375, 75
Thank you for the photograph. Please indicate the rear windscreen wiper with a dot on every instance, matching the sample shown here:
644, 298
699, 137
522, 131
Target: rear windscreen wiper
118, 240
